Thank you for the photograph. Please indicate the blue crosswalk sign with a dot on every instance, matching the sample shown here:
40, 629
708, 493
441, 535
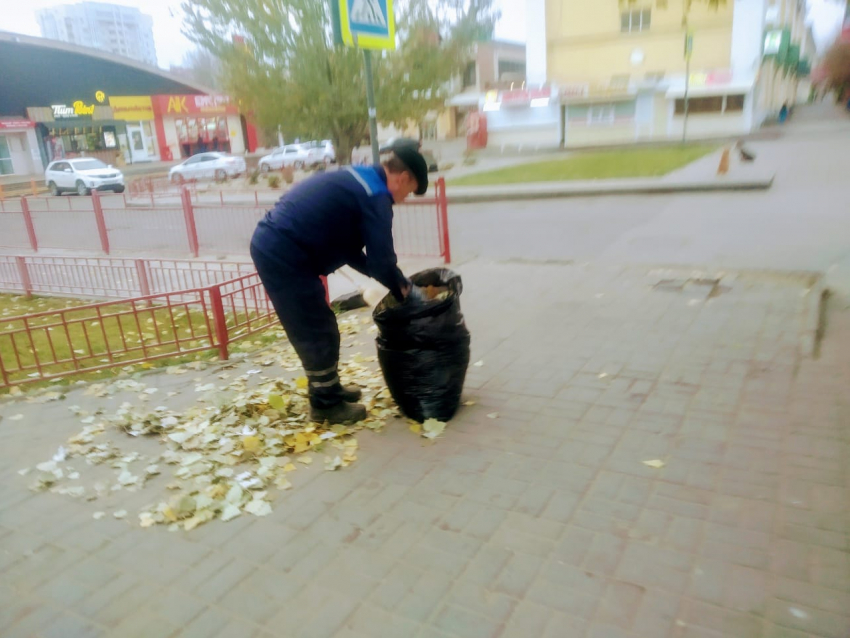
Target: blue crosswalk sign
369, 23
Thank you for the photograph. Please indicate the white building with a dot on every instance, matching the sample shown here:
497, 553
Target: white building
124, 31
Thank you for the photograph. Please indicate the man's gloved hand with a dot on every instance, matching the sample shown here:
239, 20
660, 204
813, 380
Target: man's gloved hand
414, 295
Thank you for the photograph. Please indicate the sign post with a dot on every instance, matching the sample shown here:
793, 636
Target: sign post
689, 49
367, 25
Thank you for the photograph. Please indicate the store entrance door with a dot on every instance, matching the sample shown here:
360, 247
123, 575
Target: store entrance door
136, 138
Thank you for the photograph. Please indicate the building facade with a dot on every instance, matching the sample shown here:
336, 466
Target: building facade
96, 105
618, 71
116, 29
494, 65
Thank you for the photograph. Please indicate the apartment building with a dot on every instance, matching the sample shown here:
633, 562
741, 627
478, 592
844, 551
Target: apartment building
618, 69
123, 31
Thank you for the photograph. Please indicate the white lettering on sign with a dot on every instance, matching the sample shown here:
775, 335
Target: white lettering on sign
63, 110
209, 101
79, 108
367, 12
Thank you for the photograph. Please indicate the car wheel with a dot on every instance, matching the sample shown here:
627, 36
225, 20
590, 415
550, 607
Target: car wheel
177, 178
82, 189
220, 175
298, 164
265, 168
119, 189
54, 189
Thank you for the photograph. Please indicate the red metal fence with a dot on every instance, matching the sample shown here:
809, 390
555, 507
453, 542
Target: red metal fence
186, 224
110, 277
57, 343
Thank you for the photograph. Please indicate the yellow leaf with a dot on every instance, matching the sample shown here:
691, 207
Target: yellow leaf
416, 428
301, 383
306, 460
289, 467
655, 463
251, 443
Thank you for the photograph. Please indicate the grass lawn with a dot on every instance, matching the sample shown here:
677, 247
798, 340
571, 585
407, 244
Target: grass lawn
646, 162
87, 339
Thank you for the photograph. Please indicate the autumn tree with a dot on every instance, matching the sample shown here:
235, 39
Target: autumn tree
202, 67
280, 62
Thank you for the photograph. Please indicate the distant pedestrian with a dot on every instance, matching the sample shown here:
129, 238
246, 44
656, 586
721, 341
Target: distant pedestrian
783, 113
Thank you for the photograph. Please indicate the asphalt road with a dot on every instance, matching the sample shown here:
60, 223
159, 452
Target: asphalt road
802, 223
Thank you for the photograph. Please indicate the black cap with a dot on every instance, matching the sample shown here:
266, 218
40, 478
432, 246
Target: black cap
415, 163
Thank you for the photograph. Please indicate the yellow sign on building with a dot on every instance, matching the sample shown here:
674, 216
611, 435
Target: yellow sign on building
132, 108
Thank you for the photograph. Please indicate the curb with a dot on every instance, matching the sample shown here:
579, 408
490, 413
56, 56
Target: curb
503, 194
816, 298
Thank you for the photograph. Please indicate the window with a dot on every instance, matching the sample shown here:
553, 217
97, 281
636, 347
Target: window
635, 20
5, 158
713, 104
620, 81
735, 103
600, 114
511, 66
469, 75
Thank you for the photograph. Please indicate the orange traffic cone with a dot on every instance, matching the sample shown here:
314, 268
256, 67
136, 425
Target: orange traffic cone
723, 168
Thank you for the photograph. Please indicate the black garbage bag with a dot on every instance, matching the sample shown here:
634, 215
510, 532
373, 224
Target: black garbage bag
423, 347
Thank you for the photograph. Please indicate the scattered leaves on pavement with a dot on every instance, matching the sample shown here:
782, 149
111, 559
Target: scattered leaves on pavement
236, 441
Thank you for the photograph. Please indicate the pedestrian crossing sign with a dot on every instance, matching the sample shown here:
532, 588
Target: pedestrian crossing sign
368, 24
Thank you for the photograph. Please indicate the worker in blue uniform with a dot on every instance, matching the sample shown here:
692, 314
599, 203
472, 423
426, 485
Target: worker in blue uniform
321, 224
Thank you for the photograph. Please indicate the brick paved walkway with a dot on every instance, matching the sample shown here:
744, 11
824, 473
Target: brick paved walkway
541, 522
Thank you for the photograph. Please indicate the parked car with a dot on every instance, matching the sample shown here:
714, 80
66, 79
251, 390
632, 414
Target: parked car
320, 153
207, 166
294, 155
82, 175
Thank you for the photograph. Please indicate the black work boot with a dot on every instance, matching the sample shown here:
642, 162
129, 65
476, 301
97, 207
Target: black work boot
351, 393
343, 412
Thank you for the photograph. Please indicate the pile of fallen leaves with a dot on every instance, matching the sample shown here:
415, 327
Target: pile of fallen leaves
228, 450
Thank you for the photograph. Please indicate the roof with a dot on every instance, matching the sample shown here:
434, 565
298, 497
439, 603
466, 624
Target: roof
41, 72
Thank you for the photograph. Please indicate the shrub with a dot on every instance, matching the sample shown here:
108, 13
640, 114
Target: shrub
274, 181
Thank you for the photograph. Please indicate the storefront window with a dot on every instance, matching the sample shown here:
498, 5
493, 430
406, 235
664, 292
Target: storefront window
202, 134
5, 157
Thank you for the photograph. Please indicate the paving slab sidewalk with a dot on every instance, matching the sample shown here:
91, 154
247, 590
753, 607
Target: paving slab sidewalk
534, 514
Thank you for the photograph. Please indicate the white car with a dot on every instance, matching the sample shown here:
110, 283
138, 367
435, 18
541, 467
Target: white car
82, 175
294, 155
321, 153
203, 166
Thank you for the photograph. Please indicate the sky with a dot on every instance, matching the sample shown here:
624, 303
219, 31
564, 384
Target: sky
172, 45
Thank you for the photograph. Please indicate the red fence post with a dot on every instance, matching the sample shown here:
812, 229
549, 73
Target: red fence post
144, 283
25, 210
443, 219
219, 321
24, 274
100, 221
189, 215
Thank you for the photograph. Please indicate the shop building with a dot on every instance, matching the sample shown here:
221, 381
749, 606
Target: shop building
18, 147
190, 124
619, 71
94, 104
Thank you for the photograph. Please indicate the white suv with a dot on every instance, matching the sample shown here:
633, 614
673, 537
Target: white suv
321, 153
82, 175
